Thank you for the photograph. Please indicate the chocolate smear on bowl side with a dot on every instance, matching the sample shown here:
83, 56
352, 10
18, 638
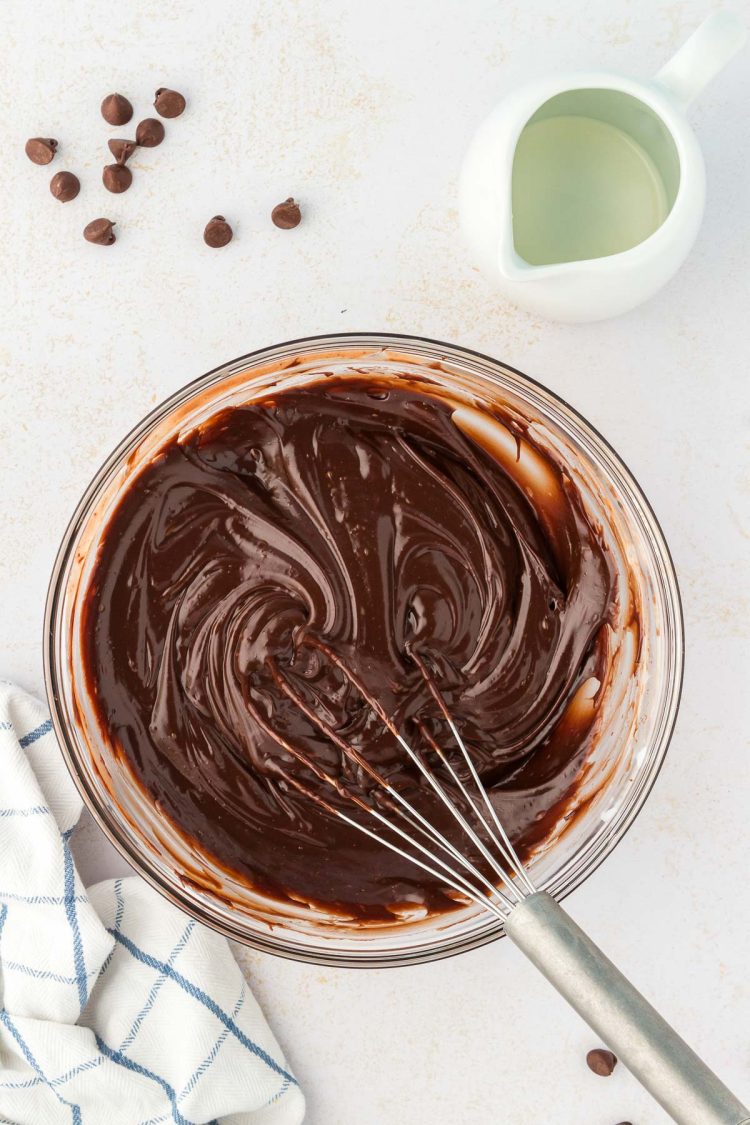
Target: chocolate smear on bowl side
41, 150
65, 186
100, 231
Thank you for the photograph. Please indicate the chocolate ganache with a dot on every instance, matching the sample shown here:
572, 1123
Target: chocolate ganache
351, 532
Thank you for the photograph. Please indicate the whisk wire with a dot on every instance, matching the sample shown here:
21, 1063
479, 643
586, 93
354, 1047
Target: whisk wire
421, 766
416, 819
445, 875
503, 843
487, 893
471, 801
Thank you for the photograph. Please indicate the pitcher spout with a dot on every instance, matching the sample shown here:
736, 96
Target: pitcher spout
512, 267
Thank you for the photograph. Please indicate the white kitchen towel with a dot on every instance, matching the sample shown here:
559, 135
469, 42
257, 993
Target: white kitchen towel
115, 1007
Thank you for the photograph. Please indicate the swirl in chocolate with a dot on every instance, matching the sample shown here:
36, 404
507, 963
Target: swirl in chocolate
348, 525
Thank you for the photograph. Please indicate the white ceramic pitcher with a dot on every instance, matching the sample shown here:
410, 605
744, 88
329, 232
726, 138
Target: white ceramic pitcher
624, 143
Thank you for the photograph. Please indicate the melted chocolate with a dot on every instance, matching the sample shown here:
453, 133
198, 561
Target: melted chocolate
347, 526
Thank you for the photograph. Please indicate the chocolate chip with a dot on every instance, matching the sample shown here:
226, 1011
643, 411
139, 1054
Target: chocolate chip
116, 109
286, 215
41, 150
601, 1062
149, 133
64, 186
218, 232
117, 178
100, 231
168, 103
122, 150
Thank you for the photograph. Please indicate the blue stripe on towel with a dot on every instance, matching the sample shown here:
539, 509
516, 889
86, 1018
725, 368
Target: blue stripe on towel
61, 1080
27, 1054
119, 911
38, 900
35, 735
155, 988
203, 998
40, 974
123, 1060
202, 1067
37, 810
72, 915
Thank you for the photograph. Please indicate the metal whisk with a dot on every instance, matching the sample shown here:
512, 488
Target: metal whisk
665, 1065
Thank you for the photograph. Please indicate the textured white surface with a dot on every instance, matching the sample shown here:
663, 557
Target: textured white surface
362, 111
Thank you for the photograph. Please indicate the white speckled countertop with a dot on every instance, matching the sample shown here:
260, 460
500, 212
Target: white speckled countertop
362, 111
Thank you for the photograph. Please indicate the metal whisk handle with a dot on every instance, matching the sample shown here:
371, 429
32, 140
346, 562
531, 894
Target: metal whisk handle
651, 1049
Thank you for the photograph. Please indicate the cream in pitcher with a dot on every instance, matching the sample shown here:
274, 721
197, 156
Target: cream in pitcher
581, 194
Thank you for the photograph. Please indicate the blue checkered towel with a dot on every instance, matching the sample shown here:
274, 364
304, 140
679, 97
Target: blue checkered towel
116, 1007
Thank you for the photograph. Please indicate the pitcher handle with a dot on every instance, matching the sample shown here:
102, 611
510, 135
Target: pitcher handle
700, 59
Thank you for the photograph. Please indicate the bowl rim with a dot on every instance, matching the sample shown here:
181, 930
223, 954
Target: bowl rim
109, 824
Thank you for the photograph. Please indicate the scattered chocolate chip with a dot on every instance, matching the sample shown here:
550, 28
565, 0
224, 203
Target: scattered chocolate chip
168, 103
121, 150
601, 1062
100, 231
116, 109
117, 178
625, 1123
64, 186
149, 133
286, 215
218, 232
41, 150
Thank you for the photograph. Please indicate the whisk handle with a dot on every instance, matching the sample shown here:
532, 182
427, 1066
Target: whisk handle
651, 1049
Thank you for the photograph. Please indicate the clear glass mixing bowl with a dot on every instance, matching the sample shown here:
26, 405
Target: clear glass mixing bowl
636, 720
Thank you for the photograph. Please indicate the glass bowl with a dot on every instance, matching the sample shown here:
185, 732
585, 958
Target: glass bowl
636, 718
